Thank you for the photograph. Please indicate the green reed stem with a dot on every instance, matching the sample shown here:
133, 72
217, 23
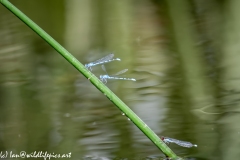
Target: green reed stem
94, 80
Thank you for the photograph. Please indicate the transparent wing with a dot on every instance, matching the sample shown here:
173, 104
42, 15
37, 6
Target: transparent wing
104, 69
121, 72
106, 58
184, 144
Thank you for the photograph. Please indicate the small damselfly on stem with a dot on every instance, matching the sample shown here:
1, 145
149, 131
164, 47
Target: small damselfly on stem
168, 140
104, 78
106, 59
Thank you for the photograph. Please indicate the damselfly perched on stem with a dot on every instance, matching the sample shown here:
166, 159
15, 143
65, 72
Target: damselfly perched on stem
106, 59
104, 78
168, 140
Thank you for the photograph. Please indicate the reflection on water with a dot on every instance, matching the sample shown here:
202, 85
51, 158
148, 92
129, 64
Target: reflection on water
181, 91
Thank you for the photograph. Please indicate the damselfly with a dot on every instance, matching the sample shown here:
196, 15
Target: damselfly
168, 140
104, 78
106, 59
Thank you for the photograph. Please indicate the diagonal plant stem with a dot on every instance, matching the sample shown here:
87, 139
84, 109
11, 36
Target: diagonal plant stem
94, 80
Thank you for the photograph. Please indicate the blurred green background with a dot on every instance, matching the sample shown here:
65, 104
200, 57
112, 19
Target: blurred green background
184, 54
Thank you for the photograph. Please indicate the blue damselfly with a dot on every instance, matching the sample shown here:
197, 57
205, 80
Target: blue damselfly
104, 78
106, 59
168, 140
